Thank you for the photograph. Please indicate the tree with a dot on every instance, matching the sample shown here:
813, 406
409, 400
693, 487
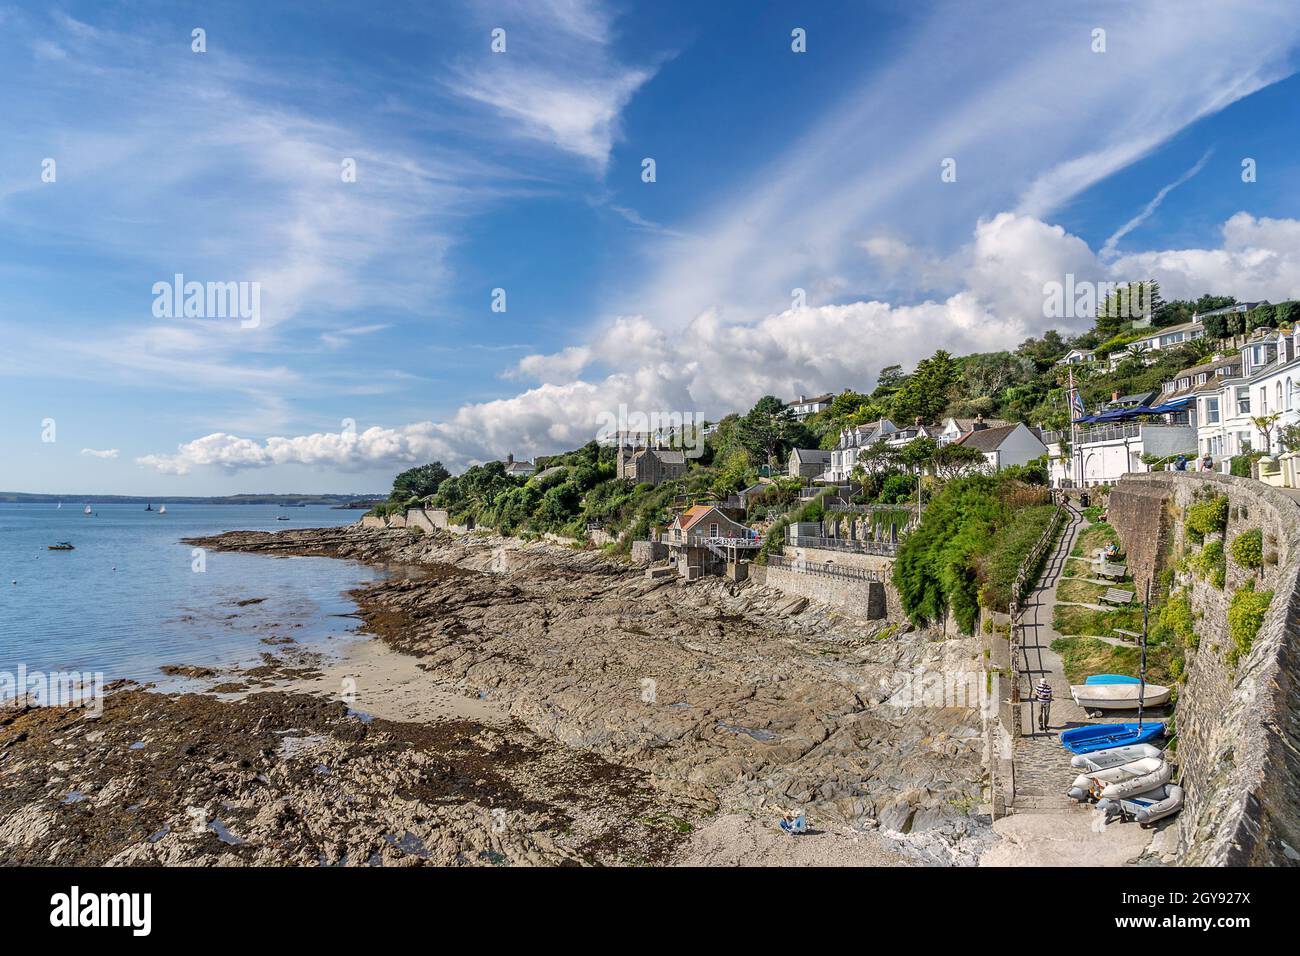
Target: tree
878, 458
1261, 317
891, 378
419, 482
1133, 300
1288, 314
769, 429
1266, 424
926, 392
1288, 436
1216, 326
952, 460
1045, 351
918, 453
987, 375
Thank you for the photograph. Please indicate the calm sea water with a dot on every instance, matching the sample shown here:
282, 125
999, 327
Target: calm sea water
127, 600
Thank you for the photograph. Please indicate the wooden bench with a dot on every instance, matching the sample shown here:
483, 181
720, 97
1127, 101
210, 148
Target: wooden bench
1110, 570
1116, 596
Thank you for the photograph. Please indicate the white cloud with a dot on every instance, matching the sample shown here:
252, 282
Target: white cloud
1258, 259
1109, 248
559, 82
713, 366
105, 453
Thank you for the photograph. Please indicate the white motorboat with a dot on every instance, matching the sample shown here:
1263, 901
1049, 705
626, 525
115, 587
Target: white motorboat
1131, 778
1118, 696
1115, 757
1148, 807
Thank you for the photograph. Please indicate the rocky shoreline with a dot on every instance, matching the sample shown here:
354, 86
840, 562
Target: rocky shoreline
641, 715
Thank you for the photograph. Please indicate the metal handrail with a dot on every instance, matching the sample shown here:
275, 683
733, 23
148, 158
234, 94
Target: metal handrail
883, 548
830, 570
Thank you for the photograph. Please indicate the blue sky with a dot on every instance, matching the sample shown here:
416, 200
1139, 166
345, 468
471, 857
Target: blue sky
376, 346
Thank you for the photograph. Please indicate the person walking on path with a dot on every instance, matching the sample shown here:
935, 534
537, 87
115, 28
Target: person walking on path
1043, 694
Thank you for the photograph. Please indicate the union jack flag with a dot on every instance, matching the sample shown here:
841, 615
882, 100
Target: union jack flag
1076, 400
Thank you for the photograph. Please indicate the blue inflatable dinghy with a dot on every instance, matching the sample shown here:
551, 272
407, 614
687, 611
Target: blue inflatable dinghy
1094, 737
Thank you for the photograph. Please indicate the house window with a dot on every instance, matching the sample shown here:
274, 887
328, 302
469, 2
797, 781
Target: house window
1243, 400
1289, 391
1279, 395
1200, 379
1211, 411
1263, 400
713, 530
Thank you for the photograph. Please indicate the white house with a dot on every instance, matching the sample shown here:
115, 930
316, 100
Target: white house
1169, 336
803, 406
844, 456
953, 428
1005, 445
1262, 380
1077, 357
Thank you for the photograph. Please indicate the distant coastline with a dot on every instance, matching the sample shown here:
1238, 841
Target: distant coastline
338, 501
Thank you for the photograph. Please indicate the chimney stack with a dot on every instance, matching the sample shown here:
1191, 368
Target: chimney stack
1114, 396
510, 458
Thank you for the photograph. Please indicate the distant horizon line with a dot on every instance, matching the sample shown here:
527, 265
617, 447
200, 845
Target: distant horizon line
21, 497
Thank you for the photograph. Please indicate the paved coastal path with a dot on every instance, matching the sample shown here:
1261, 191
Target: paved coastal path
1042, 764
1045, 827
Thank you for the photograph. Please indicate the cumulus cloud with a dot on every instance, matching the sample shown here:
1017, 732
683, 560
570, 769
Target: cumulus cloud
713, 366
1258, 259
97, 453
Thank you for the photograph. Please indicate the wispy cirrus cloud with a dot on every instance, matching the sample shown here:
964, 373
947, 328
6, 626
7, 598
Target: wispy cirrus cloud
559, 81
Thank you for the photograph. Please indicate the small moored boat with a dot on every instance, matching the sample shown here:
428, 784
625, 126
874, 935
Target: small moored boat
1093, 737
1136, 777
1115, 757
1110, 679
162, 509
1146, 808
61, 546
1118, 696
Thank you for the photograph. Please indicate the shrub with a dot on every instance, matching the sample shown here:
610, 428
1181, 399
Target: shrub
1207, 517
1209, 563
1245, 615
1240, 464
1248, 548
936, 566
1175, 620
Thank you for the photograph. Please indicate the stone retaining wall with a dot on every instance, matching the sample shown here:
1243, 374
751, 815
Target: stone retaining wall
1238, 728
864, 599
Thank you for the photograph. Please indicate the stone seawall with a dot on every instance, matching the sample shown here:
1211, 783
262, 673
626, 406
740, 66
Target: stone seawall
1238, 726
865, 599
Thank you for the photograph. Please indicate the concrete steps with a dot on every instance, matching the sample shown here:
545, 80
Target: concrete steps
1033, 803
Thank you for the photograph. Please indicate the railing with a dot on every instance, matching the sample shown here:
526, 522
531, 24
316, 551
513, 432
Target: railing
828, 570
840, 504
1026, 575
885, 548
710, 541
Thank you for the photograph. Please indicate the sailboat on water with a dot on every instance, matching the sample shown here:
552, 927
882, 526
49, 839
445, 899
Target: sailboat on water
149, 506
162, 509
88, 511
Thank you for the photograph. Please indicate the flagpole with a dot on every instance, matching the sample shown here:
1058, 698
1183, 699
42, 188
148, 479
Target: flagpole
1076, 456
